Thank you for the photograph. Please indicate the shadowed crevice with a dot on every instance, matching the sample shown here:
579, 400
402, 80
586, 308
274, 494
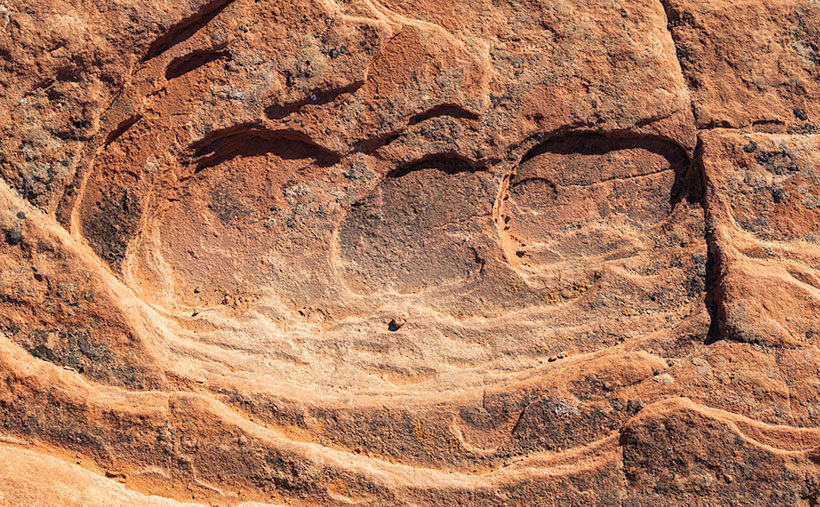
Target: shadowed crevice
186, 28
450, 110
316, 97
184, 64
249, 141
688, 181
715, 298
449, 163
121, 129
376, 143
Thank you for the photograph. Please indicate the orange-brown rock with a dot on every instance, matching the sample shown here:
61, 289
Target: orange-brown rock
526, 252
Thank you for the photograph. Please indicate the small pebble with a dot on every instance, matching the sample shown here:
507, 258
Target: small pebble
634, 406
14, 237
396, 324
801, 115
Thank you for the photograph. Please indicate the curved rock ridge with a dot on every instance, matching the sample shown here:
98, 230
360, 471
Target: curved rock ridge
409, 252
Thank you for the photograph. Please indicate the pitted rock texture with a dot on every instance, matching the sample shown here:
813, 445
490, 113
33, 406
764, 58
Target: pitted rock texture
527, 252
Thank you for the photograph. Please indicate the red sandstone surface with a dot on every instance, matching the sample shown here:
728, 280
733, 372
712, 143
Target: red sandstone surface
407, 252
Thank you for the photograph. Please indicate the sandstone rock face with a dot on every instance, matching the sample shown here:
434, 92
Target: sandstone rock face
519, 252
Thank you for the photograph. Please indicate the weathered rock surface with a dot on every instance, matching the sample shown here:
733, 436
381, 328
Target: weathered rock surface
409, 252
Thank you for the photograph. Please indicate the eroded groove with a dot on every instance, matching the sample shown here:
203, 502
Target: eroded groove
714, 296
448, 163
248, 141
184, 64
314, 97
598, 143
451, 110
186, 28
122, 127
374, 144
545, 181
687, 180
674, 19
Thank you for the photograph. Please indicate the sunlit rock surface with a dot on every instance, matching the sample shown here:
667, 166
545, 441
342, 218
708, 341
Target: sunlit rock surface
409, 252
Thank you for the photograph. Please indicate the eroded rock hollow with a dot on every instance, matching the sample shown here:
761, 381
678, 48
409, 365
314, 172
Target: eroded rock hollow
521, 252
